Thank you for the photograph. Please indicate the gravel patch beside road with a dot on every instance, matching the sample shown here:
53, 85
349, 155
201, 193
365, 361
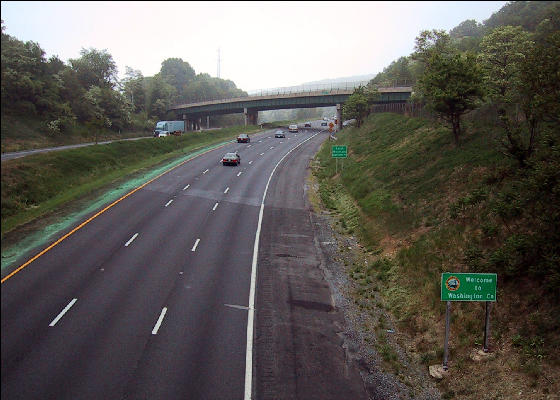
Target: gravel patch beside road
358, 334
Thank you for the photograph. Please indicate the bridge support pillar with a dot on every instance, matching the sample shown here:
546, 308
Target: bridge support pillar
339, 116
251, 116
207, 122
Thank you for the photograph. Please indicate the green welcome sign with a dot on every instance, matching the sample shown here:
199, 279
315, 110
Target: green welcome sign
339, 151
468, 287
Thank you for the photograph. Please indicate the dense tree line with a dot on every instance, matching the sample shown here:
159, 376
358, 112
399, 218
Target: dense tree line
467, 36
86, 91
508, 67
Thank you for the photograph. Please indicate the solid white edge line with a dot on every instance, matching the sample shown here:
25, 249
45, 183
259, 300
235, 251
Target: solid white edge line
215, 206
169, 202
53, 323
131, 239
195, 245
251, 312
159, 321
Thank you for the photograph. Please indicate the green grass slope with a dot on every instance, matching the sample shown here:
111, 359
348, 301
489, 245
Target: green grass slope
422, 206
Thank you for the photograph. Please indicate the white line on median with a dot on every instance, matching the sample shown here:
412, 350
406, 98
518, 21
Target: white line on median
215, 206
195, 245
239, 173
205, 171
227, 190
159, 321
131, 239
250, 162
186, 187
262, 154
252, 289
169, 202
53, 323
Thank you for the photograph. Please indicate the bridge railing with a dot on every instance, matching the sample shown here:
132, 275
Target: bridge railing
331, 88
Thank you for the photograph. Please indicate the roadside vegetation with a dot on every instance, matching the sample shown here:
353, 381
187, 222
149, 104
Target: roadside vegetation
49, 102
35, 185
421, 206
474, 187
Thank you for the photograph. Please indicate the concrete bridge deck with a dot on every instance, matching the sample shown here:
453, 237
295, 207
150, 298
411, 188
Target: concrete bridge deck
193, 113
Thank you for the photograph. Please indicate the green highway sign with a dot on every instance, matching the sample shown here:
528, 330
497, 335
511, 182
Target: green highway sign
339, 151
468, 287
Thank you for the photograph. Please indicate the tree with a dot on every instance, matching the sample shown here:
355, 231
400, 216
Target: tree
133, 87
467, 28
95, 68
451, 83
159, 97
179, 74
452, 87
504, 55
356, 106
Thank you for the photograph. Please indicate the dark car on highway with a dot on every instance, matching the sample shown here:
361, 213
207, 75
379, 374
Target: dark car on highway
231, 159
243, 138
307, 125
279, 134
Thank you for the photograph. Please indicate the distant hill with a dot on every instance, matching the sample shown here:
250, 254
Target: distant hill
321, 84
355, 78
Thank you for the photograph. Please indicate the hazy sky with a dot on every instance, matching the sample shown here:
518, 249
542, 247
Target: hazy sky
262, 44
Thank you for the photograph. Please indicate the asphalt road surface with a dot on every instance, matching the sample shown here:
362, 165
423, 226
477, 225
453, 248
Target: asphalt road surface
152, 298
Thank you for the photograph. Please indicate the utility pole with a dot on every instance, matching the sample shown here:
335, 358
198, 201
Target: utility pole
218, 62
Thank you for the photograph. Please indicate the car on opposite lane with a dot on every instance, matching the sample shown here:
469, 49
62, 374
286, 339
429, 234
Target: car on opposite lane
307, 125
293, 128
243, 138
232, 158
279, 134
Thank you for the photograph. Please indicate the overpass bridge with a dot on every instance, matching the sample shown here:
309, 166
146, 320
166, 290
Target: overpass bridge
193, 113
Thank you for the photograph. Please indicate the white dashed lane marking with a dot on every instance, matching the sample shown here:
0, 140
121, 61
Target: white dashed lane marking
195, 245
159, 321
59, 316
131, 240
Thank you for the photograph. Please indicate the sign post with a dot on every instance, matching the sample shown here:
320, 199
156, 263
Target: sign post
467, 287
339, 152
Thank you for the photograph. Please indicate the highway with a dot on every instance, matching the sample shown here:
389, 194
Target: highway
152, 298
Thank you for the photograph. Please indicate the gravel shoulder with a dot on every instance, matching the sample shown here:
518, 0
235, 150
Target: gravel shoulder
370, 338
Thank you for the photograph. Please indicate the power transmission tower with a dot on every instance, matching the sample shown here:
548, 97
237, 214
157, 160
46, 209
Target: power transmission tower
218, 62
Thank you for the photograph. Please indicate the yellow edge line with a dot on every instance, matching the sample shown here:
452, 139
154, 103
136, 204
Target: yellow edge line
98, 214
